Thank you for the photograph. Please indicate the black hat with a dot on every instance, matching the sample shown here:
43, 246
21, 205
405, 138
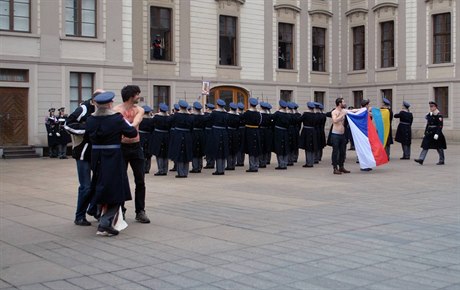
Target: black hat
51, 110
433, 103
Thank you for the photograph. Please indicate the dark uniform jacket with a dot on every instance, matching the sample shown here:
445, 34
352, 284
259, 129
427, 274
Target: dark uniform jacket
198, 136
320, 126
180, 148
252, 121
145, 134
309, 136
234, 136
219, 135
404, 132
76, 126
160, 136
281, 121
266, 133
110, 183
434, 124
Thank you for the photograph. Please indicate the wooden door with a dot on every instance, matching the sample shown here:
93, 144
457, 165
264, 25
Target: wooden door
13, 116
229, 94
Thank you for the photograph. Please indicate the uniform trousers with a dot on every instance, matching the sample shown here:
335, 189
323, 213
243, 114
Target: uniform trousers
197, 163
162, 164
182, 168
282, 160
406, 150
253, 162
425, 152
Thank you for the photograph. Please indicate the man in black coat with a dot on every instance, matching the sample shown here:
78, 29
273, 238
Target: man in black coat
434, 138
252, 120
404, 131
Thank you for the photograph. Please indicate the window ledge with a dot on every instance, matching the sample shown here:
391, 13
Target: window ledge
357, 72
315, 72
284, 70
231, 67
164, 62
447, 64
82, 39
384, 69
19, 34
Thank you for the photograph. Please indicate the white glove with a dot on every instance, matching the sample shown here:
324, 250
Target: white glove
50, 134
431, 113
57, 134
436, 136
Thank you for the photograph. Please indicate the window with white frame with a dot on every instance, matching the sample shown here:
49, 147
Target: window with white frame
80, 18
319, 49
358, 47
81, 88
160, 33
227, 40
285, 46
15, 15
387, 44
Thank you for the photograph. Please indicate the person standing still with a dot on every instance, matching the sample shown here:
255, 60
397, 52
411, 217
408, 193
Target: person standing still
131, 147
434, 138
404, 131
339, 143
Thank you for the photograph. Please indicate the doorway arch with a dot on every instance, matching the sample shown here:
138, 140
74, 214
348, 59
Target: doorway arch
229, 94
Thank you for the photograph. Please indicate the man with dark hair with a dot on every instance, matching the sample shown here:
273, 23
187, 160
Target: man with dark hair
338, 139
81, 152
131, 147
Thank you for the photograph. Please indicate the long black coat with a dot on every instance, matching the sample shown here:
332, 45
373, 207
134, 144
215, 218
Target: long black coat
145, 135
434, 124
281, 121
198, 136
110, 183
159, 145
404, 131
266, 133
180, 148
219, 135
252, 145
309, 137
234, 135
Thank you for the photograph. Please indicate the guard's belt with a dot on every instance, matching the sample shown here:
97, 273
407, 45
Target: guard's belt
161, 131
113, 146
219, 127
182, 129
281, 128
405, 123
252, 126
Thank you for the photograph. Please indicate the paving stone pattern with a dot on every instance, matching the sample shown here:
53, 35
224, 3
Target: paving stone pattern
396, 227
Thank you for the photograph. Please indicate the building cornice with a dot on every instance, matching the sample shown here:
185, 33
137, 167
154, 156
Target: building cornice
287, 6
320, 11
384, 4
356, 10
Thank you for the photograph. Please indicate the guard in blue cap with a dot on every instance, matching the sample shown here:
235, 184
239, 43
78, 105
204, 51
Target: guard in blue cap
210, 162
219, 137
387, 106
198, 137
110, 185
160, 139
252, 119
320, 126
234, 138
266, 135
281, 121
180, 150
293, 133
404, 130
240, 156
145, 134
308, 137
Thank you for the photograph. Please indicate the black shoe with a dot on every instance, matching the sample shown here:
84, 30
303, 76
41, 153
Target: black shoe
63, 157
280, 168
307, 165
290, 164
142, 217
239, 165
316, 162
404, 158
218, 173
173, 169
181, 176
419, 161
262, 166
252, 170
82, 222
229, 168
366, 169
195, 171
160, 174
440, 163
208, 167
106, 231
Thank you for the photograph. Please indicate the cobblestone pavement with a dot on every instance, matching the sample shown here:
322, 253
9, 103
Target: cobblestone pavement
396, 227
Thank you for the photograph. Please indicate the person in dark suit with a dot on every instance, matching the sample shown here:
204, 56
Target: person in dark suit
160, 139
51, 124
320, 126
241, 133
219, 137
404, 131
252, 119
63, 136
434, 138
281, 121
233, 136
266, 136
309, 136
110, 180
293, 134
210, 163
180, 150
387, 106
198, 137
145, 135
